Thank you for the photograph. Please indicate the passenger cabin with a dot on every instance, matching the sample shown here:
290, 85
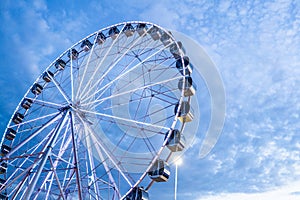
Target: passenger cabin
3, 167
26, 103
176, 141
185, 113
37, 89
137, 193
185, 68
86, 45
18, 118
3, 197
128, 30
5, 149
155, 33
176, 49
10, 134
60, 64
160, 171
113, 32
47, 76
166, 39
141, 29
73, 54
186, 84
101, 38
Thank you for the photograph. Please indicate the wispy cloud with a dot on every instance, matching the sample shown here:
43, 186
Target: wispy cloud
290, 192
254, 44
256, 47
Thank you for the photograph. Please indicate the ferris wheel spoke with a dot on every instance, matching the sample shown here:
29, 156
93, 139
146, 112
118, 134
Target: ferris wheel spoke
104, 88
49, 188
108, 171
109, 84
165, 94
95, 122
104, 57
57, 179
21, 184
62, 92
92, 169
99, 151
63, 148
10, 182
99, 101
88, 96
84, 73
147, 114
68, 175
36, 119
12, 179
142, 133
112, 65
45, 156
46, 103
34, 134
127, 120
31, 168
67, 181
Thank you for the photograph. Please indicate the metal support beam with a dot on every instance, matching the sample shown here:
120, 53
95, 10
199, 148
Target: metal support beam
57, 179
75, 157
45, 157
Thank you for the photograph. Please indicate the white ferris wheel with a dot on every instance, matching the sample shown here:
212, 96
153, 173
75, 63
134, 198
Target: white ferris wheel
103, 120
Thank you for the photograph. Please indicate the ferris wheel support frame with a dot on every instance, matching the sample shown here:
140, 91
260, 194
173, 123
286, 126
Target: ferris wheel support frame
60, 159
46, 154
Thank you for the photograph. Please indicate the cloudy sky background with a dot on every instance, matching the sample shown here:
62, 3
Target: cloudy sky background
254, 44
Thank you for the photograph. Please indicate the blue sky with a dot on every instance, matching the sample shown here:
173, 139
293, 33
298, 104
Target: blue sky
254, 44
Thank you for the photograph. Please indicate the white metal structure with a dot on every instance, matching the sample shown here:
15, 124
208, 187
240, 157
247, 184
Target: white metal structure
95, 122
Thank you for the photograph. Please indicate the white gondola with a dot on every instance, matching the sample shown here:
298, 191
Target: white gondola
155, 33
176, 49
3, 167
47, 76
73, 54
185, 113
10, 134
128, 30
160, 171
141, 29
36, 89
113, 32
189, 87
26, 103
137, 193
5, 149
166, 39
101, 38
60, 64
18, 118
86, 45
185, 68
176, 141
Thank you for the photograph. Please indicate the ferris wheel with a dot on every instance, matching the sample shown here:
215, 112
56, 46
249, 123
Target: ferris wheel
103, 120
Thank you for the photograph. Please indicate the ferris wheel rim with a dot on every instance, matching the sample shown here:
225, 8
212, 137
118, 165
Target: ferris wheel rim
71, 104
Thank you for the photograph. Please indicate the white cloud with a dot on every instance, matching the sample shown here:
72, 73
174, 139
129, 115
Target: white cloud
290, 192
256, 47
